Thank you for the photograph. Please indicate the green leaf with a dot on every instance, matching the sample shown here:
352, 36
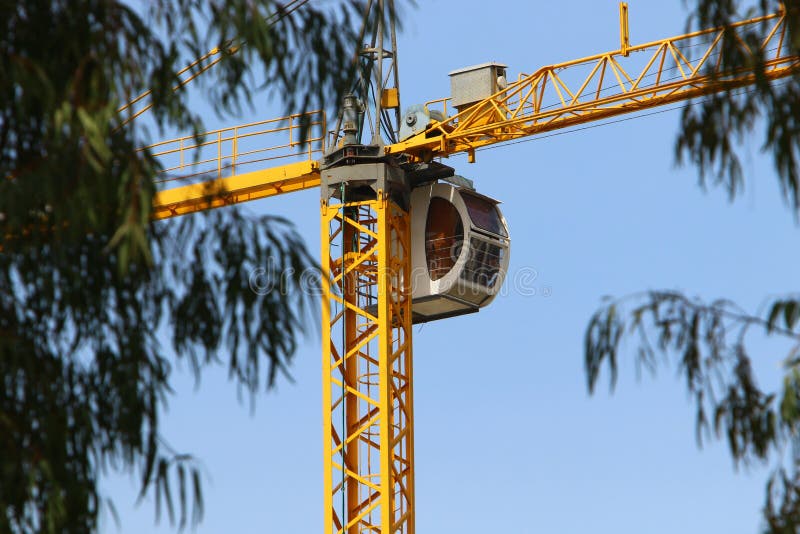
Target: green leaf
791, 313
789, 400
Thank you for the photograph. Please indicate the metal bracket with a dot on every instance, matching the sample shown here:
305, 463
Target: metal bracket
624, 31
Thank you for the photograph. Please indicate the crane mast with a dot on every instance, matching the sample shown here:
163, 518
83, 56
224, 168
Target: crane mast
367, 366
366, 357
367, 397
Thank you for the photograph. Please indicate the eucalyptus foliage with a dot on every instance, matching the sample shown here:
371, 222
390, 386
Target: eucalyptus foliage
97, 302
708, 342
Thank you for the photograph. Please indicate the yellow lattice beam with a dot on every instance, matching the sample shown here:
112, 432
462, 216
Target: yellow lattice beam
604, 85
367, 393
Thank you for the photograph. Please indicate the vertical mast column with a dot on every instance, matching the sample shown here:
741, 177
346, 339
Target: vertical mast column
367, 362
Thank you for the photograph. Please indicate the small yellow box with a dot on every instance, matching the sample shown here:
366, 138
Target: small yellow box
390, 98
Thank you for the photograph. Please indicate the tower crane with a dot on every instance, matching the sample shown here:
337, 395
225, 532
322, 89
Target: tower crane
404, 238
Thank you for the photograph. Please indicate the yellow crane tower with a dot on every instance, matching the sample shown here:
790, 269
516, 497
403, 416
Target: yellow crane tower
404, 239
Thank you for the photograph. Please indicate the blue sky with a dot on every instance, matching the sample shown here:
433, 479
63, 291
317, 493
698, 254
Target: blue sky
507, 437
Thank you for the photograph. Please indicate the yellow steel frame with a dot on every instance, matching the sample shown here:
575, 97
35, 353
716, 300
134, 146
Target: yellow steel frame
367, 368
604, 85
631, 79
235, 189
366, 314
225, 166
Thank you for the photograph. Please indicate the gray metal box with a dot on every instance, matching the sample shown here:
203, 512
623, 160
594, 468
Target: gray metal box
475, 83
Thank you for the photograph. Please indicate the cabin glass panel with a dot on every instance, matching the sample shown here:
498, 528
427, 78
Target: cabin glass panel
444, 235
484, 214
483, 264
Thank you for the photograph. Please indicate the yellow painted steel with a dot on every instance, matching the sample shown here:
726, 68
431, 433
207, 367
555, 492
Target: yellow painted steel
602, 86
231, 165
367, 368
572, 93
624, 30
366, 314
241, 148
236, 189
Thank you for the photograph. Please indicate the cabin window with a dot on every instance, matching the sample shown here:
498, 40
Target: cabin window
444, 237
484, 214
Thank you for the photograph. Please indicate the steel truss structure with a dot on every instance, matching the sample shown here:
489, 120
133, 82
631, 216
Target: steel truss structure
557, 96
606, 85
367, 367
366, 243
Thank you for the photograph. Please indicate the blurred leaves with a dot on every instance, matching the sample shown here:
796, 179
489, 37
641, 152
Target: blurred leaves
90, 287
712, 132
707, 343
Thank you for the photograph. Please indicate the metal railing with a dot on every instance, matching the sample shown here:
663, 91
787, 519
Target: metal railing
240, 149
